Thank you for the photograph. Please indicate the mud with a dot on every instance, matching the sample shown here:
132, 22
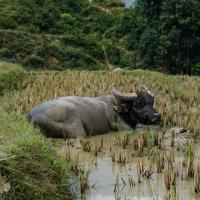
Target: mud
110, 179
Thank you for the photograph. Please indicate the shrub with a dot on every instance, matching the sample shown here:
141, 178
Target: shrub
7, 54
196, 68
127, 60
33, 61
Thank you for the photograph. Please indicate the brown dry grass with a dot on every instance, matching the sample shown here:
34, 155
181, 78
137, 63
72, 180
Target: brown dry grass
177, 98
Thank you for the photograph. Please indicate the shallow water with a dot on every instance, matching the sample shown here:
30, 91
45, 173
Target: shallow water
104, 173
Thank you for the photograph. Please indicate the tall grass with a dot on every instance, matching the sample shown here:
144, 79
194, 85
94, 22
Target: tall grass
179, 105
28, 161
11, 76
30, 164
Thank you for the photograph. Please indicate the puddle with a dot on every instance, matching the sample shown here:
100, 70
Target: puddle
110, 180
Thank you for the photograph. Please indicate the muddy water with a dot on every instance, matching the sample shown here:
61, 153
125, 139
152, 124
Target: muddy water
110, 180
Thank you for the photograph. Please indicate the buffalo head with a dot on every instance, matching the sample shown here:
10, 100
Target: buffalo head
137, 107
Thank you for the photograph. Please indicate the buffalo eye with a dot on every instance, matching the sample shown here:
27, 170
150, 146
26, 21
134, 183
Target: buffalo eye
139, 105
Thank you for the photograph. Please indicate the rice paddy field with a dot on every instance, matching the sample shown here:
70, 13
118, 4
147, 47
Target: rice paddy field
148, 163
177, 98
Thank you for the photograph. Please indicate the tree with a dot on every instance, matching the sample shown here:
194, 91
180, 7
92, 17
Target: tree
180, 35
164, 34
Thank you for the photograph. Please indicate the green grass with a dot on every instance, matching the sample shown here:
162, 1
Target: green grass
190, 90
30, 164
28, 160
11, 76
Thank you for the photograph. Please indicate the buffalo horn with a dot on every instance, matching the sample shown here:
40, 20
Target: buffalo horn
122, 95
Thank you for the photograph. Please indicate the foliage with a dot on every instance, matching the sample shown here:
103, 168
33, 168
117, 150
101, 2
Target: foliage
110, 3
30, 164
59, 34
33, 61
11, 76
164, 35
159, 35
180, 35
27, 159
53, 52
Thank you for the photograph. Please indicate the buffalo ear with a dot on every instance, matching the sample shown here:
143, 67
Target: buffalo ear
120, 109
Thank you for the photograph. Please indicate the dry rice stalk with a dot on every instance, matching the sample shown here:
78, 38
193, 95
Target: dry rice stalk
197, 178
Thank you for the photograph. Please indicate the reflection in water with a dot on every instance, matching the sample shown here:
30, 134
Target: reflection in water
106, 175
110, 180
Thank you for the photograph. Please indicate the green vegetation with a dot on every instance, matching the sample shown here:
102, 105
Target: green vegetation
164, 35
61, 34
29, 162
49, 51
11, 76
94, 34
175, 96
27, 159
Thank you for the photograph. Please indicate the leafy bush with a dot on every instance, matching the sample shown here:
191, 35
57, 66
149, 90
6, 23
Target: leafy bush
7, 54
127, 60
196, 68
34, 62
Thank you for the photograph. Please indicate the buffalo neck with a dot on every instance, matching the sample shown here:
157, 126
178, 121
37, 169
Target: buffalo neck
126, 117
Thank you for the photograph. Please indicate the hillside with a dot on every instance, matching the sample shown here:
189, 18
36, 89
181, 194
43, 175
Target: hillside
102, 34
61, 34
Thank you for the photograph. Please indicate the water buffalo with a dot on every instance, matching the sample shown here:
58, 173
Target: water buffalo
80, 116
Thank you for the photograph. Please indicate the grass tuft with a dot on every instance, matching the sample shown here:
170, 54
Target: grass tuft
30, 164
